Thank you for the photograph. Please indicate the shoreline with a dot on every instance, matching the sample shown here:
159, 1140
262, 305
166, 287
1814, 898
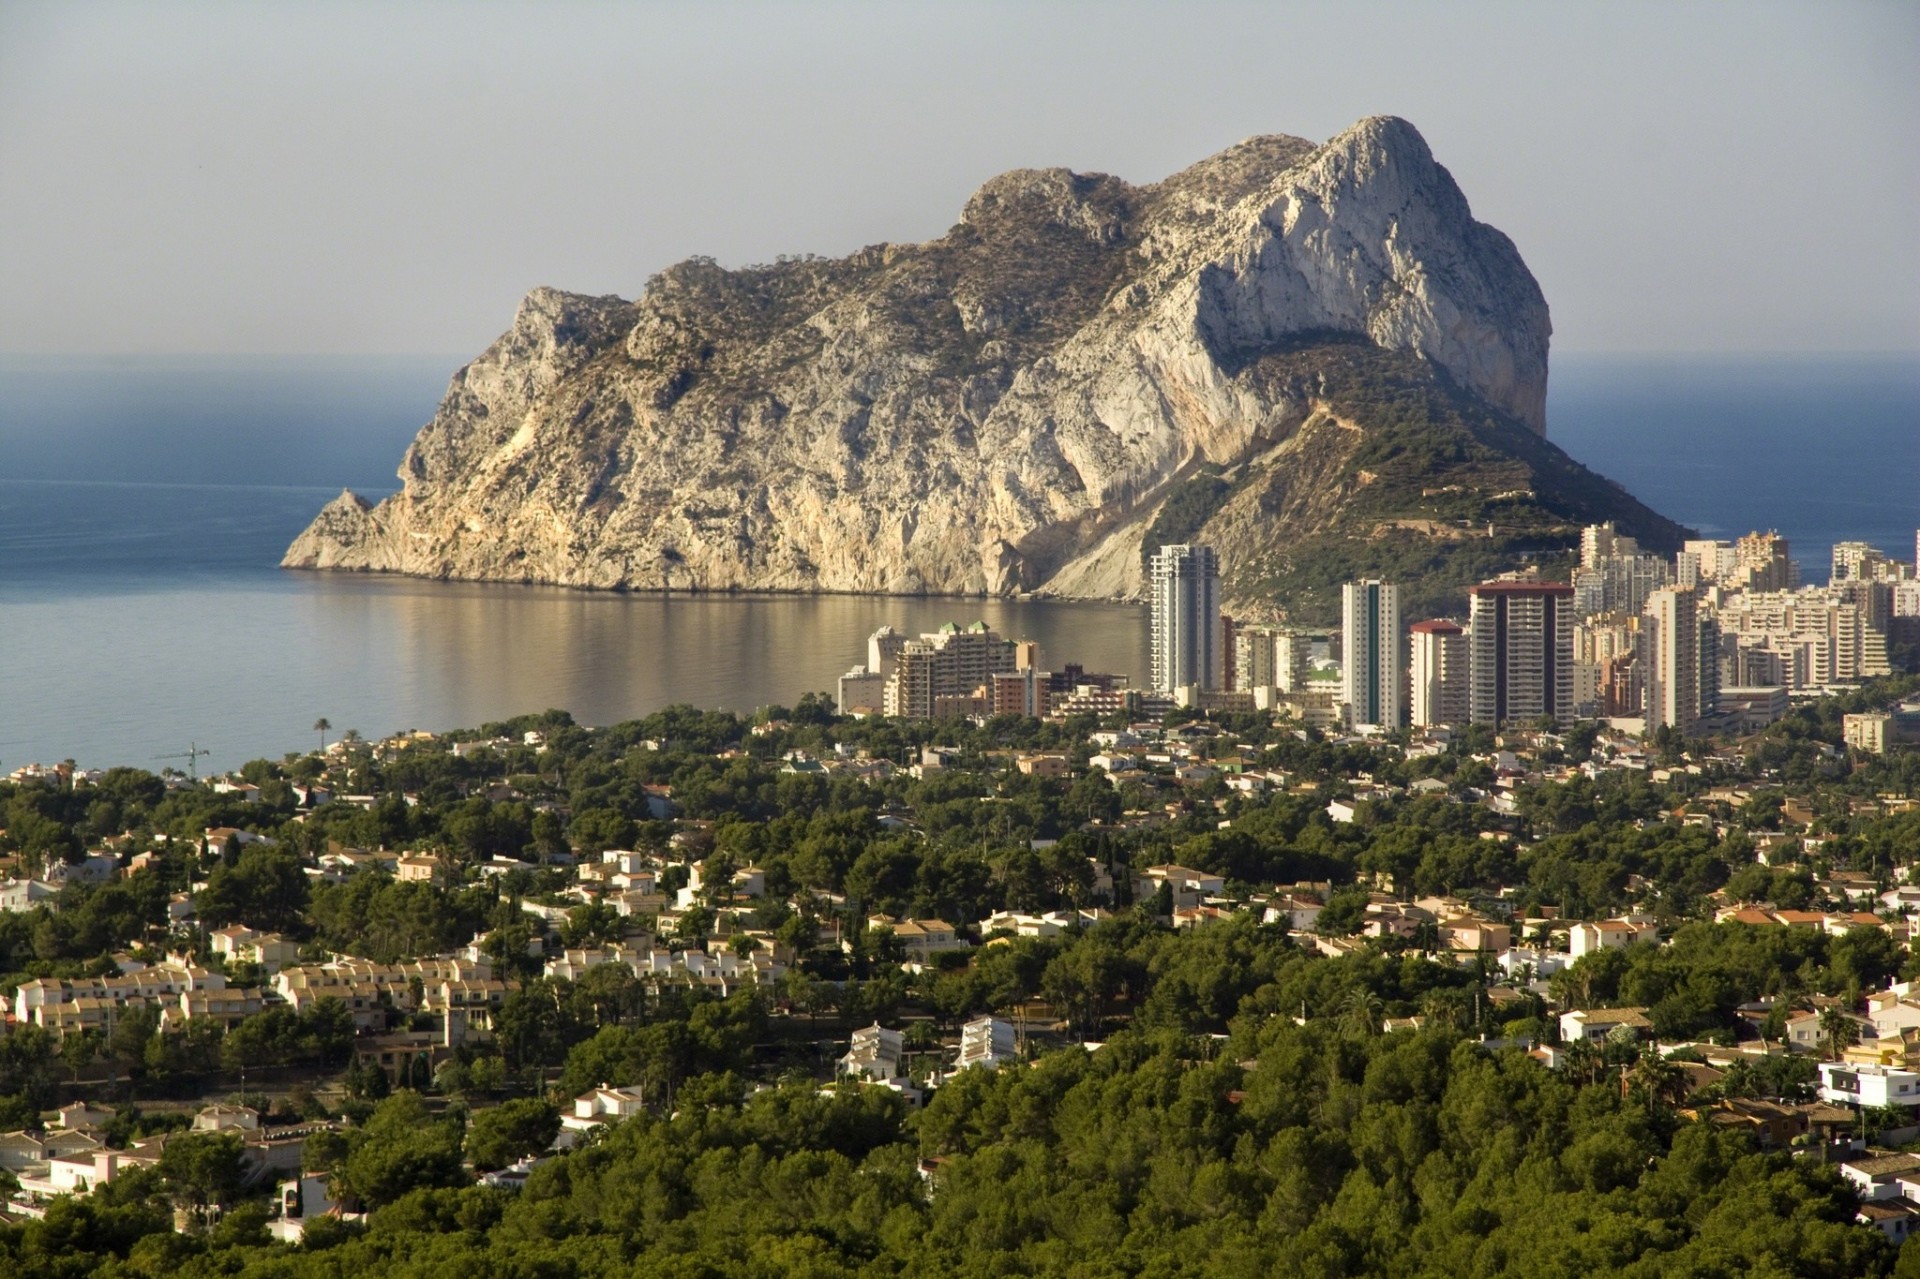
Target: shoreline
711, 593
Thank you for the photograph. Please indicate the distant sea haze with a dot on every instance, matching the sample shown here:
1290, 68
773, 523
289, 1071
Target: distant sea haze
144, 505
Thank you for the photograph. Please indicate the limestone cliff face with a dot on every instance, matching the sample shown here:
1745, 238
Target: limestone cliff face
999, 410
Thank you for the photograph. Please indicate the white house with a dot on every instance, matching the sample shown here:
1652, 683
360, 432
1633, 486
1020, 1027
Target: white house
874, 1053
603, 1105
25, 894
1297, 911
1189, 887
22, 1152
625, 861
222, 1118
1845, 1084
1543, 963
1608, 934
300, 1200
1892, 1011
987, 1041
1594, 1024
1879, 1176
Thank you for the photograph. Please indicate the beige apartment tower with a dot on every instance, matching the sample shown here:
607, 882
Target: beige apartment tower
1670, 630
1442, 669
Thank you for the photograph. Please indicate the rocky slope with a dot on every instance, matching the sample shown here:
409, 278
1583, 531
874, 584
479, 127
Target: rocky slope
1321, 338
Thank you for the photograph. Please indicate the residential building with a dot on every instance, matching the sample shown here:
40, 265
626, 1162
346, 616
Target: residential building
1521, 641
1762, 563
874, 1053
861, 691
1856, 562
1844, 1083
1184, 586
1614, 577
1670, 632
1748, 708
1372, 669
1270, 657
1603, 541
989, 1042
1878, 731
1877, 1176
1595, 1024
1609, 934
602, 1106
951, 663
1188, 887
1705, 561
25, 894
1442, 672
1018, 692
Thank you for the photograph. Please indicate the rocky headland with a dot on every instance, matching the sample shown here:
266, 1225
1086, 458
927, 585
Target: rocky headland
1311, 356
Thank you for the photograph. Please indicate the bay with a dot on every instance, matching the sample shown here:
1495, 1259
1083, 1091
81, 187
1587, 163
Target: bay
245, 671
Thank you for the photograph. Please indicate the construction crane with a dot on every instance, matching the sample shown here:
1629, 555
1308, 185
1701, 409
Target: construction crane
192, 756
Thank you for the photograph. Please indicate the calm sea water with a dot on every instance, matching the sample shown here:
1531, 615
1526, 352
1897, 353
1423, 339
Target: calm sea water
1824, 449
145, 504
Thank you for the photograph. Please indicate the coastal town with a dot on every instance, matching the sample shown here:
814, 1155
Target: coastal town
1653, 831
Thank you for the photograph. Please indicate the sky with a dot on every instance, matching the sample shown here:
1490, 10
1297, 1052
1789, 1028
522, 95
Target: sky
335, 178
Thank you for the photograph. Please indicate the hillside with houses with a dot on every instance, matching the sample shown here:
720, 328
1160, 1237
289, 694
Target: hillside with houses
295, 1013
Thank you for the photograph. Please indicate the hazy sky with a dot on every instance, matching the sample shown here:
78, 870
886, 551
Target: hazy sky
318, 177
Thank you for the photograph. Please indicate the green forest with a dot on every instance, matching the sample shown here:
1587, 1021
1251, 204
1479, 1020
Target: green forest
1325, 1149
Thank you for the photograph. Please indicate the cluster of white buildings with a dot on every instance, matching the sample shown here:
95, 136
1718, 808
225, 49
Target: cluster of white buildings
177, 990
1511, 661
969, 671
1725, 631
1720, 636
71, 1156
878, 1055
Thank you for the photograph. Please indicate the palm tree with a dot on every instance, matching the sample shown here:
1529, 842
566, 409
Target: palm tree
1582, 1060
1841, 1030
1657, 1080
1440, 1009
1363, 1010
323, 726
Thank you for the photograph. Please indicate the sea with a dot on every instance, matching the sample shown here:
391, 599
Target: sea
145, 503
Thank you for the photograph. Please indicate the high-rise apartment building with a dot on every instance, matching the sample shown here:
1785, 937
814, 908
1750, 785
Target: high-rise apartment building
1252, 652
1708, 680
1762, 563
948, 663
1670, 632
1442, 673
1856, 562
1822, 635
1618, 584
1270, 657
883, 646
1372, 670
1599, 541
1521, 641
1705, 560
1018, 692
1292, 660
1184, 583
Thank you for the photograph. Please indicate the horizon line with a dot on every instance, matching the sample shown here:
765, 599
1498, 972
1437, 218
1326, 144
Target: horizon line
422, 354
